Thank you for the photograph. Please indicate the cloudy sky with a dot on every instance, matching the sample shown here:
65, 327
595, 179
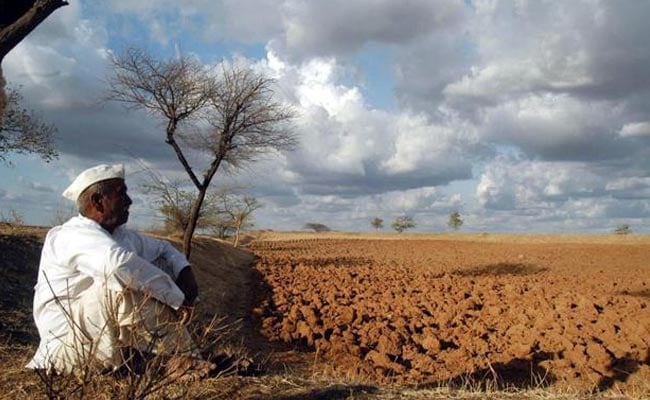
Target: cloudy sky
528, 116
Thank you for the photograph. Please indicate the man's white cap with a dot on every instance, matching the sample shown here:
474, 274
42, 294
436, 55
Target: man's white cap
93, 175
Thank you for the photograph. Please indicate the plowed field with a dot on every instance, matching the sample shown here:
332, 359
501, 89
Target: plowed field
414, 311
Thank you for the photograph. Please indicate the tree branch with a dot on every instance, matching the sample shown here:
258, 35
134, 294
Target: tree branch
179, 154
12, 34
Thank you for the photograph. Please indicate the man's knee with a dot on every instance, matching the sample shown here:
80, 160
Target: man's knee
136, 308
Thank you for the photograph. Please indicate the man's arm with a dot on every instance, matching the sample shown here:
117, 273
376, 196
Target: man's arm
186, 282
153, 249
138, 274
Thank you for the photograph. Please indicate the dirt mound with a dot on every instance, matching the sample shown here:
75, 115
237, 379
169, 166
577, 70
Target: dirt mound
20, 254
440, 311
224, 277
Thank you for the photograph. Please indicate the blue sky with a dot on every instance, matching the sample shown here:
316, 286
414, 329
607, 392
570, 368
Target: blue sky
523, 116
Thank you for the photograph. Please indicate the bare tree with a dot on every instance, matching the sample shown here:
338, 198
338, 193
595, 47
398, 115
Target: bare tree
175, 204
21, 131
17, 19
236, 118
239, 211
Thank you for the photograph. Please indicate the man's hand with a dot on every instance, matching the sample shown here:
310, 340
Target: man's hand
185, 314
187, 284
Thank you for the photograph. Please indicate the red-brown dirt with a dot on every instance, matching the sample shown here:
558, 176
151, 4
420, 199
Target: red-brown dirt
414, 311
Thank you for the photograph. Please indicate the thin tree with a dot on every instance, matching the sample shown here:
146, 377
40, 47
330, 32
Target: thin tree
455, 221
236, 118
403, 223
175, 204
377, 223
17, 19
240, 211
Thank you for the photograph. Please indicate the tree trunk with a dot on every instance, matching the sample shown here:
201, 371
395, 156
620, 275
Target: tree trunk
3, 97
12, 34
191, 225
238, 229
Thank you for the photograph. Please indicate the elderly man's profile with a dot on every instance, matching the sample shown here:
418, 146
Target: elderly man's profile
103, 288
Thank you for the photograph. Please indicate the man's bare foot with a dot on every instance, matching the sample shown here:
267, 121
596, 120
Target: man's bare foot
188, 369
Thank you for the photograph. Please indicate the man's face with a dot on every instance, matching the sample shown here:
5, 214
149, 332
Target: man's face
116, 204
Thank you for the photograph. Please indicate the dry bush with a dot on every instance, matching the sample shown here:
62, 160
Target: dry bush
11, 218
623, 229
316, 227
62, 215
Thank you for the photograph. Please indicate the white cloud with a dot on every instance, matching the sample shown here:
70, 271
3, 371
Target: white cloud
507, 184
636, 129
421, 144
559, 196
409, 200
632, 183
364, 149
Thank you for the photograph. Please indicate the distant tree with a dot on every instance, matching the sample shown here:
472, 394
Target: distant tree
316, 227
455, 221
623, 229
222, 226
228, 117
239, 211
21, 131
377, 223
403, 223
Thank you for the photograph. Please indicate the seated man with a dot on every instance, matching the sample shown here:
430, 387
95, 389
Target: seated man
102, 288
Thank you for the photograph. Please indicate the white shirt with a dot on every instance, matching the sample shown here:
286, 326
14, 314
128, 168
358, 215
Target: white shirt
79, 253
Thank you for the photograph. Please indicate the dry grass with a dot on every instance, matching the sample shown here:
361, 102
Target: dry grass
18, 383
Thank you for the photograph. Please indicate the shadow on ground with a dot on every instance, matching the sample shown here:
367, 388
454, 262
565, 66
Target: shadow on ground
272, 357
621, 369
334, 392
19, 258
342, 262
517, 373
501, 269
645, 293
